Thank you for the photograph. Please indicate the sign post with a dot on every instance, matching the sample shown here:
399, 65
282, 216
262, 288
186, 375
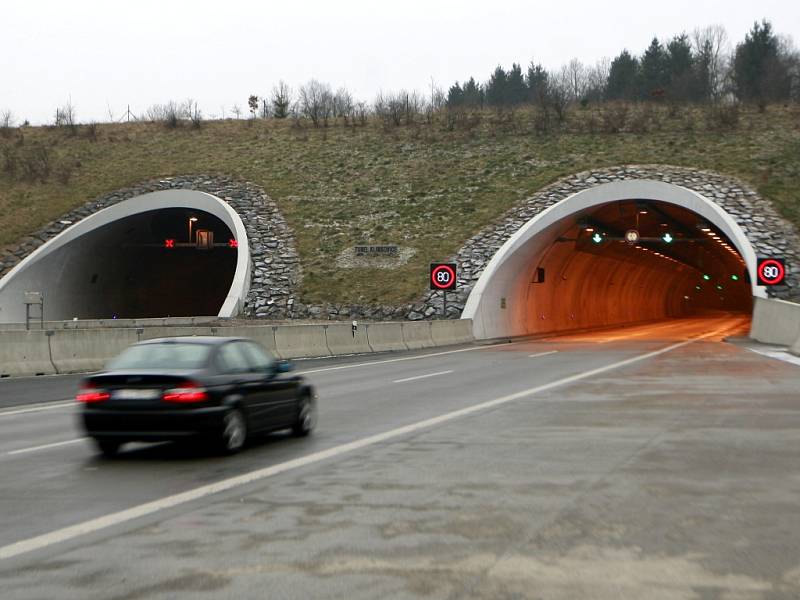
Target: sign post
443, 278
771, 271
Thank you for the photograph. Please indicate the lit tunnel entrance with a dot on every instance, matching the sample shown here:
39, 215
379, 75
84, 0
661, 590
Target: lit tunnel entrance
633, 252
156, 256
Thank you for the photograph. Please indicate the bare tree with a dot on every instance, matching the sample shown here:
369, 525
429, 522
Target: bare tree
574, 77
559, 92
713, 50
316, 102
265, 112
65, 117
342, 104
6, 122
237, 111
281, 100
596, 80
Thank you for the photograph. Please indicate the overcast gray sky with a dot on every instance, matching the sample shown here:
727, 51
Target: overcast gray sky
107, 53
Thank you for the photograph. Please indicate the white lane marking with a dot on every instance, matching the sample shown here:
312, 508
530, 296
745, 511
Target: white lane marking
783, 355
148, 508
36, 408
538, 354
46, 446
392, 360
421, 376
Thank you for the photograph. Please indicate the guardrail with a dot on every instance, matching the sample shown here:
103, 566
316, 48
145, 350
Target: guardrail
70, 350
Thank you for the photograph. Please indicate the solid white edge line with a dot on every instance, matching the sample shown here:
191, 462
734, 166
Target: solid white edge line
46, 446
421, 376
36, 408
73, 531
538, 354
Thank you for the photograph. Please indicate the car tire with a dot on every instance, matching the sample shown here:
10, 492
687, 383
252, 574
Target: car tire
108, 448
233, 434
306, 416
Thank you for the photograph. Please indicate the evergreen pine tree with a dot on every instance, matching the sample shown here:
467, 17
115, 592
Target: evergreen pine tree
622, 77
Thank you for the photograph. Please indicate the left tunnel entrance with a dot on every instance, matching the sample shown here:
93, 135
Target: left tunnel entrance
170, 261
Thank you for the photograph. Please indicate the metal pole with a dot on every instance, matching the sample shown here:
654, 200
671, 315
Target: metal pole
444, 304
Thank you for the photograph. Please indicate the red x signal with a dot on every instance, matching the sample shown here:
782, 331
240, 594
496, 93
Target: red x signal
169, 243
233, 244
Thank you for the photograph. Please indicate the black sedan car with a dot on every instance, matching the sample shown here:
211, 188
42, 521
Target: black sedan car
219, 389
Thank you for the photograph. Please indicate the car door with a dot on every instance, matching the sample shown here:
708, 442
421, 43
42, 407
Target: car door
232, 360
280, 388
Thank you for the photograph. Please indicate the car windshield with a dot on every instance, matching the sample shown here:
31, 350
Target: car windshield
167, 355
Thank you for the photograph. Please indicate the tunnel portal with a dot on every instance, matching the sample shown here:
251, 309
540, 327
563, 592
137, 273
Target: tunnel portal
165, 254
630, 253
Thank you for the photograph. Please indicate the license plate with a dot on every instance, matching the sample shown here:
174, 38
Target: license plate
137, 394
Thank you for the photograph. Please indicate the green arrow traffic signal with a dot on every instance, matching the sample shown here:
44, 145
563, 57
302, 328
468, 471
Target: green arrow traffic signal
597, 238
667, 237
706, 276
735, 277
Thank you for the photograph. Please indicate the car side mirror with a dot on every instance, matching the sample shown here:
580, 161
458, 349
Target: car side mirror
283, 366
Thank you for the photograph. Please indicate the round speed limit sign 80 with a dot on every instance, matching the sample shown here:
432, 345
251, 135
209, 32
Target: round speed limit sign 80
771, 271
443, 276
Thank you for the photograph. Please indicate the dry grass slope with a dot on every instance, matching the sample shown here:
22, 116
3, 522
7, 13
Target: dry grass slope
428, 186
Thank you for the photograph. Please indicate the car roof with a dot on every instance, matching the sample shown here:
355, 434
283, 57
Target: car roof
207, 340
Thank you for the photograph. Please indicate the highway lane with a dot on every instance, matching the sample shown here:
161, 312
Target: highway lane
674, 474
59, 480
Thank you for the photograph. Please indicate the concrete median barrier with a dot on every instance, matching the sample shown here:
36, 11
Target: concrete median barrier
385, 337
69, 350
80, 350
340, 339
775, 322
301, 341
417, 335
449, 333
151, 333
25, 353
263, 334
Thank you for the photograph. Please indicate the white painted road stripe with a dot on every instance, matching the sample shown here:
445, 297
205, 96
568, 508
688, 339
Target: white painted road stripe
36, 408
392, 360
542, 354
142, 510
421, 376
46, 446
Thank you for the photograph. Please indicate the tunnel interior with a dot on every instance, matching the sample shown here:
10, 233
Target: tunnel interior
583, 272
159, 263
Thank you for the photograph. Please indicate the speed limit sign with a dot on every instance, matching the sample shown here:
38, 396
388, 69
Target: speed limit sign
771, 271
443, 276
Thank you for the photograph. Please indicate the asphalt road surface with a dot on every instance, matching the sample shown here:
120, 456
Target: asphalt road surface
638, 463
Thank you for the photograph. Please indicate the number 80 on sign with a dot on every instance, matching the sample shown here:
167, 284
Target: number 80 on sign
443, 276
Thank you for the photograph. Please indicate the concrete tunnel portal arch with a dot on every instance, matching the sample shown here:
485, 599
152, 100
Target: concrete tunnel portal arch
137, 259
551, 276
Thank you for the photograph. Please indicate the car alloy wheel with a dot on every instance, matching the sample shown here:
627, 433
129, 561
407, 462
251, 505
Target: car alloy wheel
234, 431
306, 416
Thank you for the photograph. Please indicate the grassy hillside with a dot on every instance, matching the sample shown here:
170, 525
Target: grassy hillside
428, 186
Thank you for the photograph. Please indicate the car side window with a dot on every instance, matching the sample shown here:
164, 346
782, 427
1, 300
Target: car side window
260, 359
231, 359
